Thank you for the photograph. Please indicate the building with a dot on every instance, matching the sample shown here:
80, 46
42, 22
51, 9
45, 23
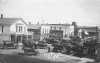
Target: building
99, 34
45, 30
57, 31
35, 30
61, 31
89, 30
12, 29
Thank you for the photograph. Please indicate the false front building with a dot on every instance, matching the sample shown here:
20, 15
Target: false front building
34, 29
56, 31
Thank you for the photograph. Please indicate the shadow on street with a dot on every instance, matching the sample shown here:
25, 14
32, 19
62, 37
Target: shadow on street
22, 59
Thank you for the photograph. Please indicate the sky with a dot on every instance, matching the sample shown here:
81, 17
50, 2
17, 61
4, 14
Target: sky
84, 12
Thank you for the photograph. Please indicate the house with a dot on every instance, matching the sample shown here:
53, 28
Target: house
12, 29
34, 29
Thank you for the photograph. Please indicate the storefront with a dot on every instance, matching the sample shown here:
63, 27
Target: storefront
18, 38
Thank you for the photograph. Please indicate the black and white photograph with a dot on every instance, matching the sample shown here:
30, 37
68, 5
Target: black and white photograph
49, 31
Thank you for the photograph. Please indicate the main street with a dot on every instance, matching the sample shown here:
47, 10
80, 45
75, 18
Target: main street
11, 56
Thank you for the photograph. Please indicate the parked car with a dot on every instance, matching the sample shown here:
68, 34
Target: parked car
29, 48
9, 44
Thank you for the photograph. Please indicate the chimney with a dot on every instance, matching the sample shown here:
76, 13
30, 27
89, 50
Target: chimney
1, 16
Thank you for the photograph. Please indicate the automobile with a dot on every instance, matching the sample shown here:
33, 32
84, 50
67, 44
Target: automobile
29, 48
28, 51
9, 45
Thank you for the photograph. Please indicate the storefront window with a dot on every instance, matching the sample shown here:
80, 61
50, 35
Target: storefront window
13, 38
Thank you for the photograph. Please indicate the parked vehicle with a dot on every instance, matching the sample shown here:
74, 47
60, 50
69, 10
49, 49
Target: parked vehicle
9, 45
29, 48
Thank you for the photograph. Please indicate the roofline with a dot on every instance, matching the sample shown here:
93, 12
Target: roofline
23, 21
16, 18
87, 26
57, 24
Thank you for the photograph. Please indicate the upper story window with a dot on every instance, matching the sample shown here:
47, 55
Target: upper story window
2, 28
19, 28
43, 30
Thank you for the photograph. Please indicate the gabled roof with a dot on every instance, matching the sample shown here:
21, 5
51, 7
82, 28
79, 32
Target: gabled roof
10, 21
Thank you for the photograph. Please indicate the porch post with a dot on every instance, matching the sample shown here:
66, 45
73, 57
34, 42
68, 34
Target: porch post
16, 38
21, 38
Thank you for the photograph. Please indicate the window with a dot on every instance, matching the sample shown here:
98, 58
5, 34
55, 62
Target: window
18, 38
2, 28
54, 28
13, 38
43, 31
19, 28
16, 28
59, 28
51, 28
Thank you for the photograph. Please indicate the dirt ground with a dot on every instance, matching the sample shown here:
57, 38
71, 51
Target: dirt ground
11, 56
